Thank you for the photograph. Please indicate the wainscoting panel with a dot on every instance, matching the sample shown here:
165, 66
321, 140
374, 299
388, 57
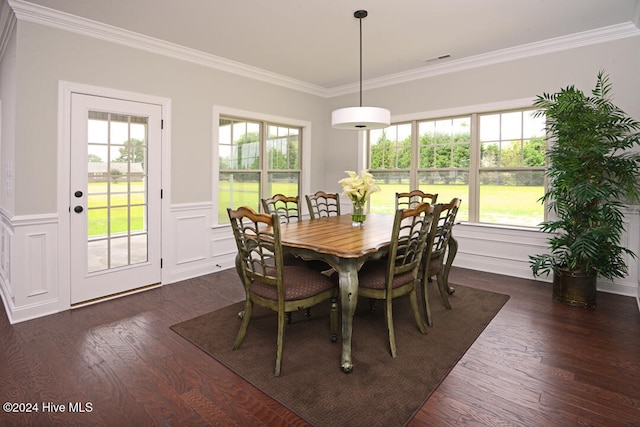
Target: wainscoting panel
37, 255
29, 278
192, 250
223, 246
498, 250
630, 285
506, 251
198, 248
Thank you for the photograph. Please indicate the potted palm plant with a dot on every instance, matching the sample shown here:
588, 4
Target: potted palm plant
592, 173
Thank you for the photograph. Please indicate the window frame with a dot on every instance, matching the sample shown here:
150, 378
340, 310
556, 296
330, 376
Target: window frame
265, 120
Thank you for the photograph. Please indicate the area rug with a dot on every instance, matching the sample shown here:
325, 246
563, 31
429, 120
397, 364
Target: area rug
381, 390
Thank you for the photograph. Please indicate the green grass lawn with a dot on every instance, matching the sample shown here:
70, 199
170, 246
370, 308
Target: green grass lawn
103, 213
247, 194
508, 205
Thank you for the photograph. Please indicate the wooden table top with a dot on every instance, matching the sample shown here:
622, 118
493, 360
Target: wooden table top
336, 236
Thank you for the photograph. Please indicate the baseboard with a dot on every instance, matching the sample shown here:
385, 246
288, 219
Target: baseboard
28, 312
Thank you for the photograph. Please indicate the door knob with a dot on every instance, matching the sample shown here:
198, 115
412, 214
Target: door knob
78, 194
78, 209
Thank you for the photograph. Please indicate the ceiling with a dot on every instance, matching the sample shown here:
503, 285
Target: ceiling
317, 42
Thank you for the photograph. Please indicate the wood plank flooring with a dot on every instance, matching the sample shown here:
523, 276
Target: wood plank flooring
539, 363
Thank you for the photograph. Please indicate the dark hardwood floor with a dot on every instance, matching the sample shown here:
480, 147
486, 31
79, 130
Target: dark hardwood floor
538, 363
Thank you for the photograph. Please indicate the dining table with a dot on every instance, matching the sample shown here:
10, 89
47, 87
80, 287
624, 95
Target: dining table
345, 247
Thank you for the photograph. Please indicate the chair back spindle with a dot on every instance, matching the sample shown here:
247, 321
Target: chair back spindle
286, 207
411, 199
323, 204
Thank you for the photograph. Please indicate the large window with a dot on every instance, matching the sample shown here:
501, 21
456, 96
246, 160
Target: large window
511, 172
257, 160
493, 161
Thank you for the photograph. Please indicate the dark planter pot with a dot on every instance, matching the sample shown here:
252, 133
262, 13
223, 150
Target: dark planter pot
575, 288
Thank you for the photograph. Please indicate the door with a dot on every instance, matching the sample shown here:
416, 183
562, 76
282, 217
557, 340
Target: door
115, 196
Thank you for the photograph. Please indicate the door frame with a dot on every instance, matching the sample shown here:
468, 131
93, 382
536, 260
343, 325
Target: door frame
65, 90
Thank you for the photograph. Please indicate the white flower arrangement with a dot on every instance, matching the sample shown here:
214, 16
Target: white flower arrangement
358, 188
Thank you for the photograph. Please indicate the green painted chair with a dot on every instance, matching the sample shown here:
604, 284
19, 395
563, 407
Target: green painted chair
288, 210
271, 284
412, 198
440, 254
286, 207
323, 204
397, 274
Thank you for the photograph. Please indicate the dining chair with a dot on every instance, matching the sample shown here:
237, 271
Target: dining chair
398, 275
270, 283
288, 210
286, 207
413, 197
434, 263
323, 204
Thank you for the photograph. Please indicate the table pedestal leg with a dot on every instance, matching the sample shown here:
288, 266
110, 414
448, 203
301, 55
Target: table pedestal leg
348, 280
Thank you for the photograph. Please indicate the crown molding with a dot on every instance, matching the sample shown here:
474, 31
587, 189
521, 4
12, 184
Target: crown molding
586, 38
52, 18
7, 25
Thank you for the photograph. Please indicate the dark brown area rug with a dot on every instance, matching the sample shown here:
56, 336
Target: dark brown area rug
381, 390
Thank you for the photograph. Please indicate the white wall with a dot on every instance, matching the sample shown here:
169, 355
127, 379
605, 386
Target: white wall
45, 56
48, 55
7, 124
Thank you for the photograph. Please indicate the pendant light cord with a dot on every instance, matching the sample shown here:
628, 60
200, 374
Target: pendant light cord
360, 61
360, 14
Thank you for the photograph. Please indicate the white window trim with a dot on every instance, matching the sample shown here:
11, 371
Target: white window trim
466, 110
305, 160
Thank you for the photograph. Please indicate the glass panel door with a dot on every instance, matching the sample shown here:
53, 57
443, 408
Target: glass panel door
114, 196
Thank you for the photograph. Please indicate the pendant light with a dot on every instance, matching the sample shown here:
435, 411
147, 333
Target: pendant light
360, 118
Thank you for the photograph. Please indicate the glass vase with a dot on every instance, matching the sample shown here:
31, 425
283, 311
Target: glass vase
358, 216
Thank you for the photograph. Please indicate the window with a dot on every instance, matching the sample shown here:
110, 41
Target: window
444, 157
493, 161
257, 160
390, 161
511, 172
